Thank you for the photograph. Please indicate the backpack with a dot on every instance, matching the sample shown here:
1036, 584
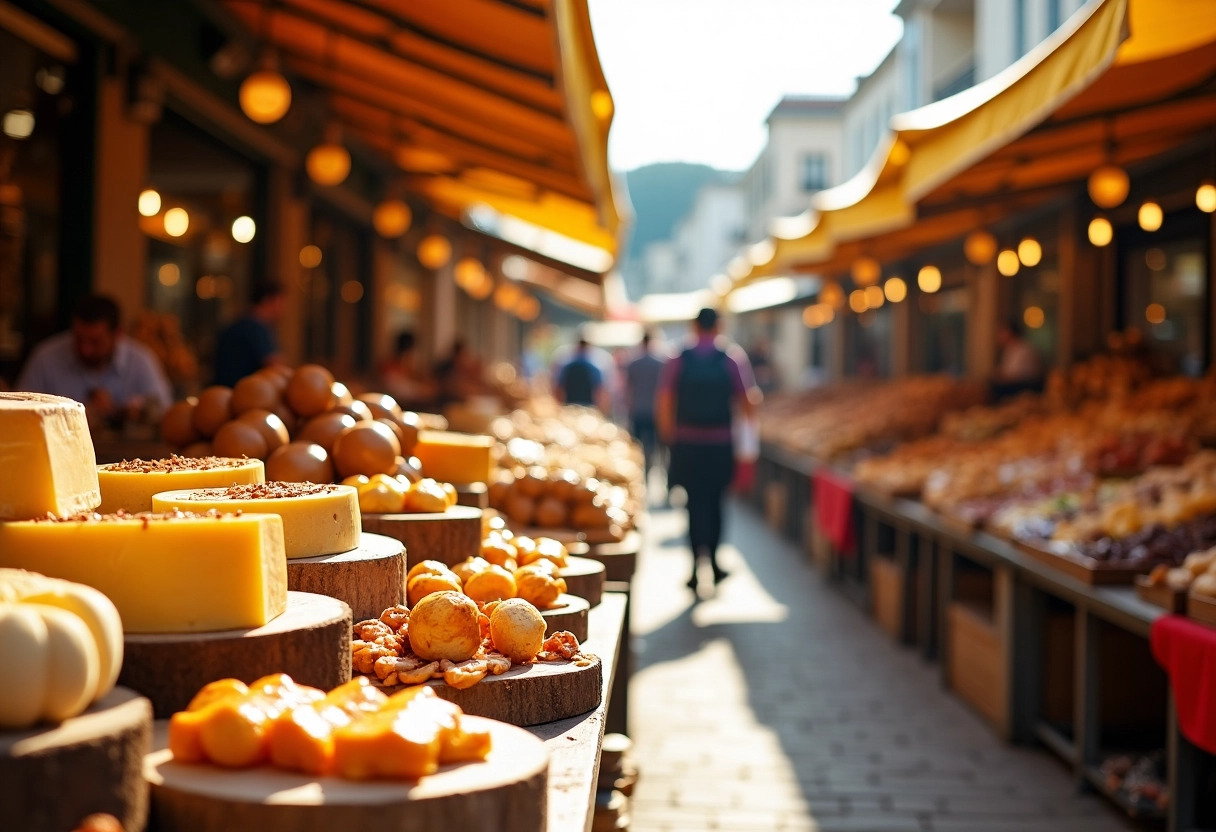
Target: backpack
579, 381
703, 390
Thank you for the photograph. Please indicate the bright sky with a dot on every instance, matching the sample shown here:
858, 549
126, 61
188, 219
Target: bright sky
693, 80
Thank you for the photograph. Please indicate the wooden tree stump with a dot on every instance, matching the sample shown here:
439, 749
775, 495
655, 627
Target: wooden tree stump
310, 642
619, 559
52, 777
474, 495
506, 793
530, 694
584, 578
451, 537
569, 614
370, 579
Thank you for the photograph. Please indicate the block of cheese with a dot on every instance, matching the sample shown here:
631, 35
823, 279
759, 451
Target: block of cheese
130, 484
47, 457
460, 458
167, 573
317, 519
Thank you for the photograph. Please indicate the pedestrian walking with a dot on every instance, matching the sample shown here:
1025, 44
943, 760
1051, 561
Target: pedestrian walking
642, 376
701, 393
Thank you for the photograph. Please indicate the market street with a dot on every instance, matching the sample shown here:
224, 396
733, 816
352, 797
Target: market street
778, 704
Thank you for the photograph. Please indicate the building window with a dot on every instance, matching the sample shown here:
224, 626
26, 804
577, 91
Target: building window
814, 172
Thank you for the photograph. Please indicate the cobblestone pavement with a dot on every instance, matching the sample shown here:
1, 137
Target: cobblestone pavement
775, 704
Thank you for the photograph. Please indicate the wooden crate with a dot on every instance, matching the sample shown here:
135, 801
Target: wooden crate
976, 665
887, 595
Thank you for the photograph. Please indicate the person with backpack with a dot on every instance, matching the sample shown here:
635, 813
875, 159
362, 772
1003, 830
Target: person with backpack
579, 381
701, 393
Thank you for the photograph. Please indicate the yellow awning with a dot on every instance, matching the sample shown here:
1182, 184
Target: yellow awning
1128, 72
498, 103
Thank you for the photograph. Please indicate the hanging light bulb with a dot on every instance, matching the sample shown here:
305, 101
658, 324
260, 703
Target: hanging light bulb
895, 289
1007, 262
149, 202
244, 229
468, 272
832, 295
929, 279
979, 247
1205, 197
857, 301
434, 251
18, 123
1100, 231
1150, 216
392, 218
328, 163
1108, 186
265, 95
874, 297
866, 271
177, 222
1030, 252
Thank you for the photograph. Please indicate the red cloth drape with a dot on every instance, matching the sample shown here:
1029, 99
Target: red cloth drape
1187, 651
833, 497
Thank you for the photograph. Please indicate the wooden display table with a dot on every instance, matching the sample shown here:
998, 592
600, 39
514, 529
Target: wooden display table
370, 579
450, 538
310, 642
585, 578
54, 776
619, 559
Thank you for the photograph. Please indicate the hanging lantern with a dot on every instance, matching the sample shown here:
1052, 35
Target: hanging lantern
149, 202
265, 95
874, 297
929, 279
329, 162
857, 301
392, 218
866, 271
1100, 231
1205, 198
979, 247
1108, 186
177, 222
895, 289
434, 251
1030, 252
528, 308
1150, 216
1007, 262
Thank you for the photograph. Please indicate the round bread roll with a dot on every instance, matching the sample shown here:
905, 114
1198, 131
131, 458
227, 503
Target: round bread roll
468, 568
1205, 585
269, 425
498, 493
238, 439
342, 394
497, 549
562, 485
538, 585
533, 483
357, 410
255, 392
382, 406
366, 448
325, 427
491, 584
299, 462
310, 390
551, 513
198, 449
409, 432
177, 425
445, 625
426, 567
427, 583
214, 409
520, 509
544, 548
517, 629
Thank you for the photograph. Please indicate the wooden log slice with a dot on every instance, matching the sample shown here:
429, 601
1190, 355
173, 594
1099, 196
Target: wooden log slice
310, 642
474, 495
52, 777
584, 578
450, 537
619, 559
569, 614
531, 694
505, 793
370, 579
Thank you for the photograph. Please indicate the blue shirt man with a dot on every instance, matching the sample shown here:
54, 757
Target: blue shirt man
94, 363
579, 381
248, 344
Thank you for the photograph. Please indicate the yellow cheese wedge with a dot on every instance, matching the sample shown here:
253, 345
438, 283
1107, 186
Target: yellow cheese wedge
455, 457
130, 484
47, 457
166, 573
317, 519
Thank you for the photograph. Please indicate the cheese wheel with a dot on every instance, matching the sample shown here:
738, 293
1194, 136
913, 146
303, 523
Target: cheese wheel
47, 455
317, 519
166, 573
130, 484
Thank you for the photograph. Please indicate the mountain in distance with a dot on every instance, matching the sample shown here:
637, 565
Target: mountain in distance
661, 195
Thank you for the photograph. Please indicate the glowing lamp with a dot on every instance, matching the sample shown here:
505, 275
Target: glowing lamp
929, 279
244, 229
979, 247
1007, 262
1108, 186
177, 222
1033, 317
149, 203
832, 295
392, 218
328, 163
434, 251
1150, 216
1030, 252
1205, 198
265, 96
874, 297
866, 271
895, 289
1100, 231
857, 301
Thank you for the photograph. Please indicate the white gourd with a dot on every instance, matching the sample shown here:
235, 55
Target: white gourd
23, 665
101, 616
72, 664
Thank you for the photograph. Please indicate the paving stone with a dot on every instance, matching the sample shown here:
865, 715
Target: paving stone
775, 704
